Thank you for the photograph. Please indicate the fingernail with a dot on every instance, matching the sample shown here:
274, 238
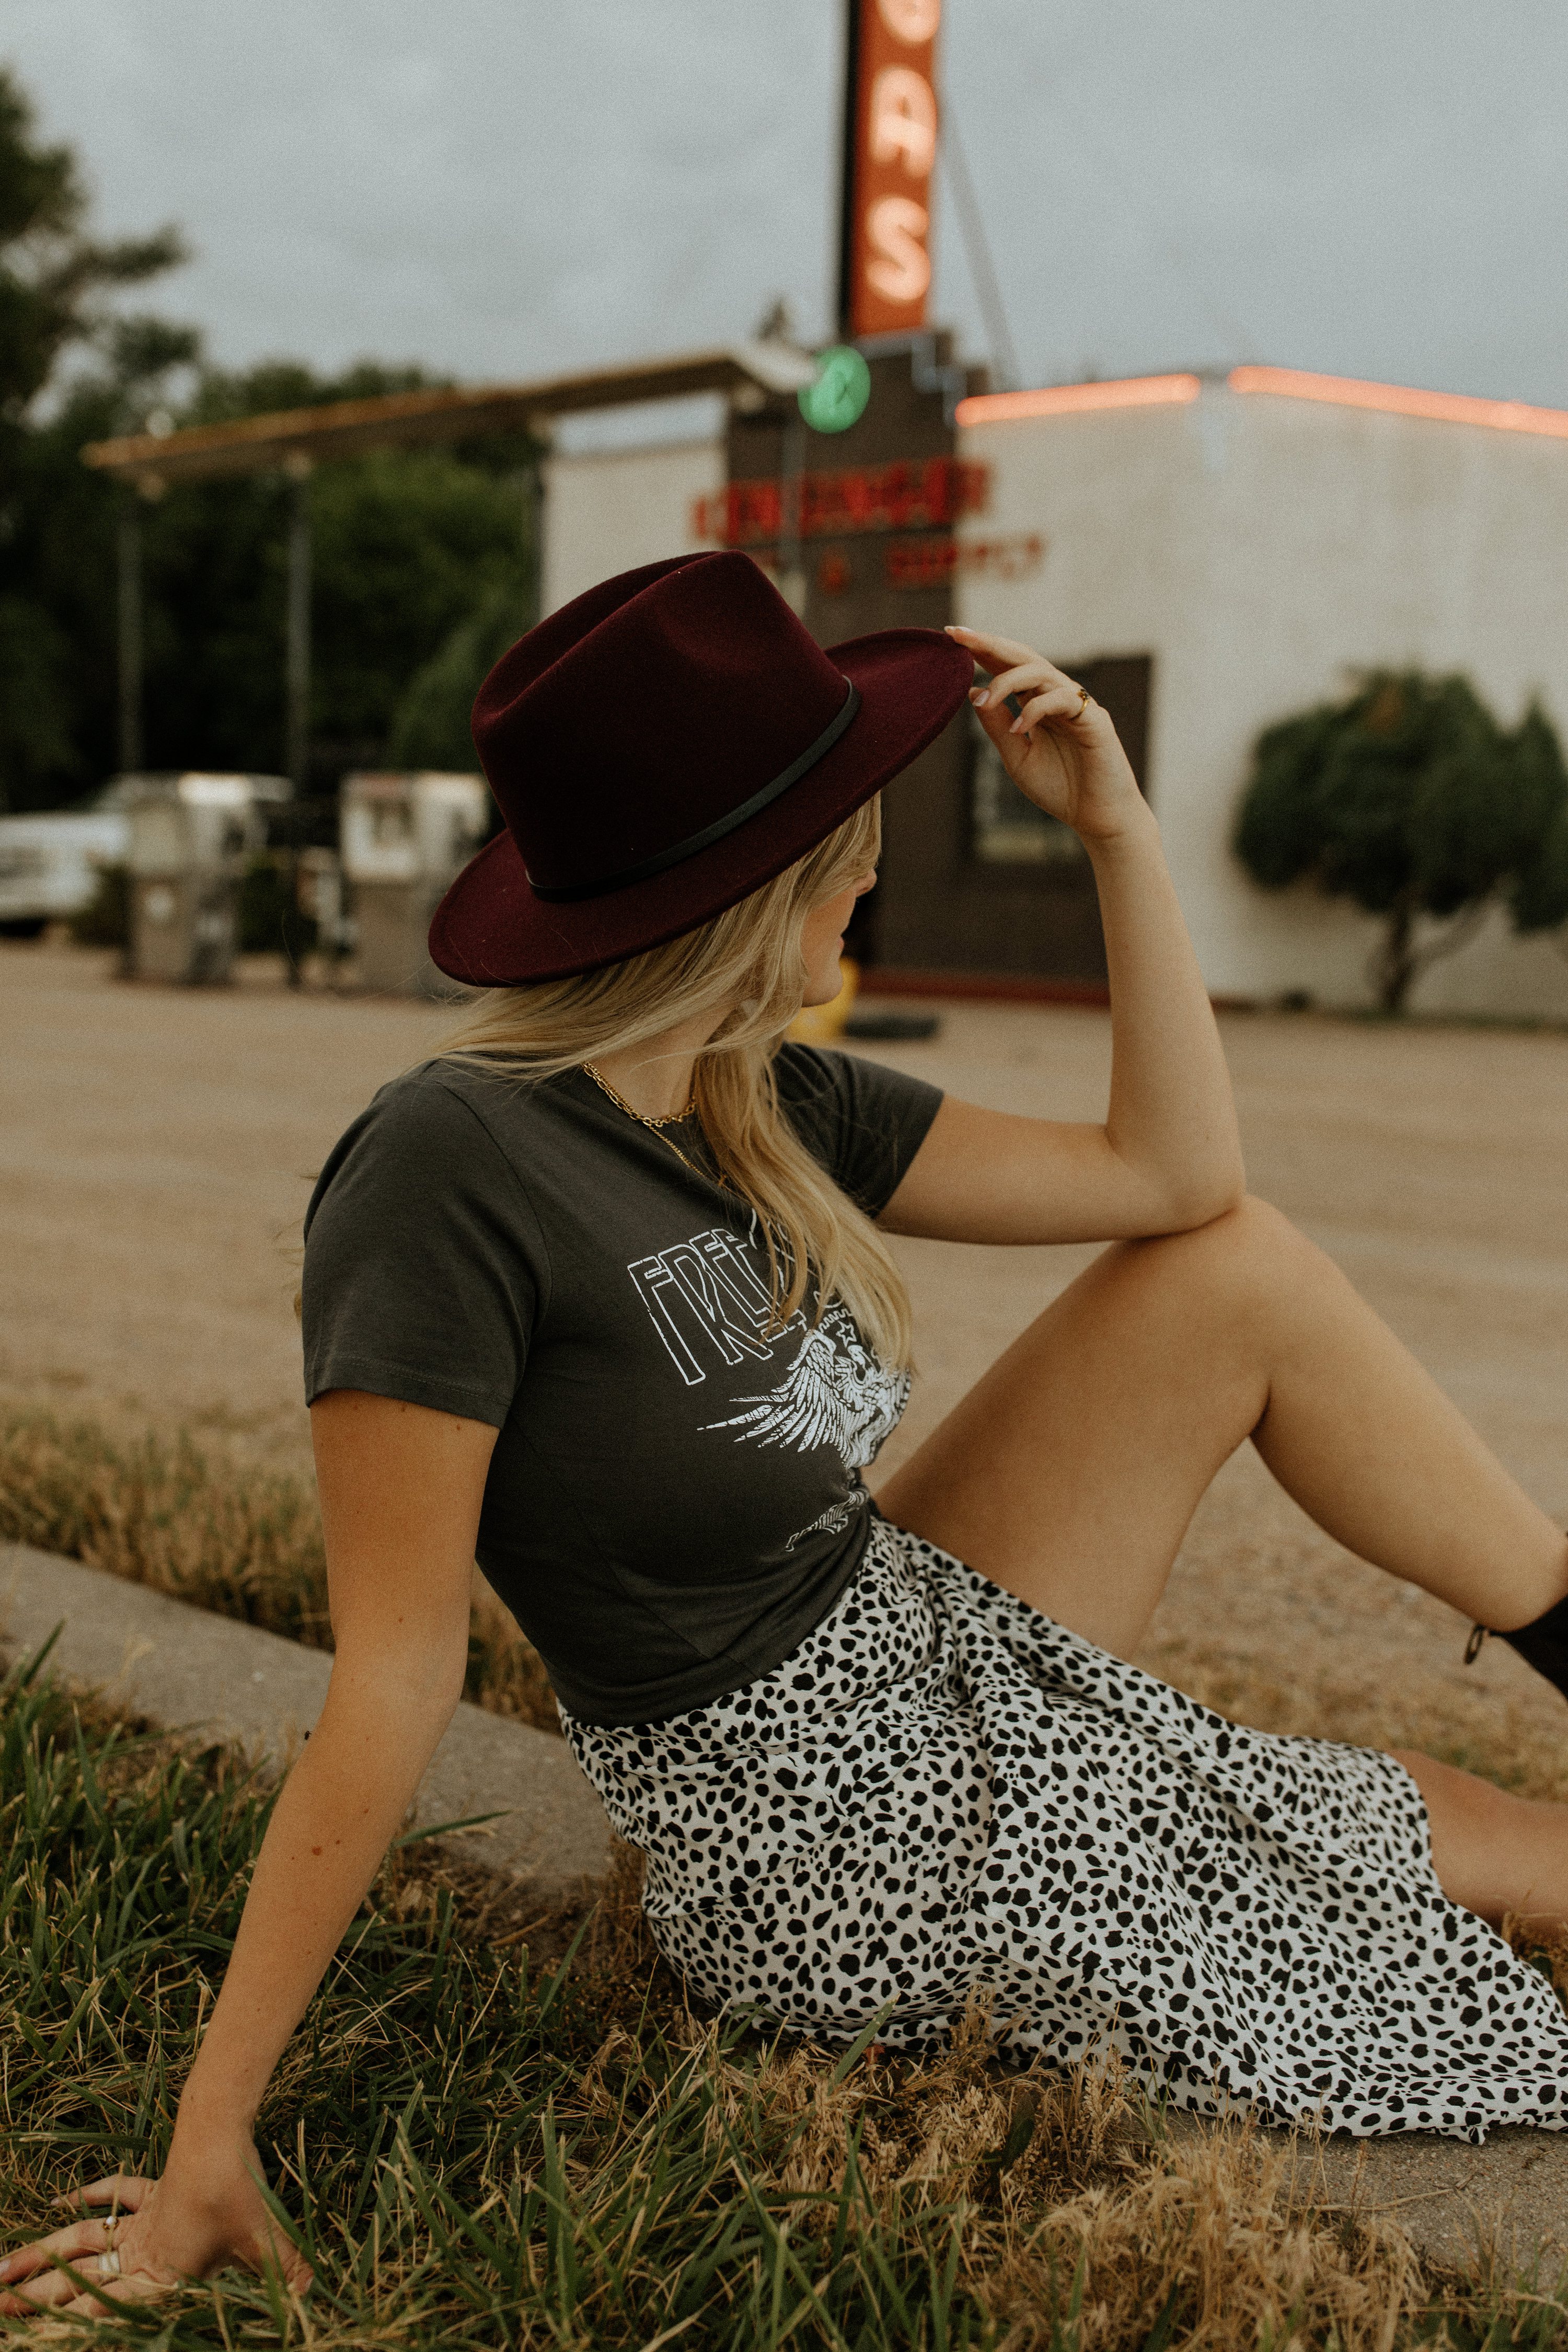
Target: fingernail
978, 695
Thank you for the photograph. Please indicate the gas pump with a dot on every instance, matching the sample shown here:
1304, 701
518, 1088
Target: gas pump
404, 837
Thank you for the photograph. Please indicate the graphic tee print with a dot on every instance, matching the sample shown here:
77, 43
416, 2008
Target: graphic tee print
674, 1499
706, 1296
705, 1293
835, 1392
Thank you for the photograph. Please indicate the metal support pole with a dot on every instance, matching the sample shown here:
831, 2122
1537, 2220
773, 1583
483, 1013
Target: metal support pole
534, 524
297, 662
129, 567
847, 135
792, 487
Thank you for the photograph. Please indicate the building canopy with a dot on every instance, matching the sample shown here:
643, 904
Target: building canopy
295, 438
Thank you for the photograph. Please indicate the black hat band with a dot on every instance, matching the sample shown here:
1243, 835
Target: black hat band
557, 894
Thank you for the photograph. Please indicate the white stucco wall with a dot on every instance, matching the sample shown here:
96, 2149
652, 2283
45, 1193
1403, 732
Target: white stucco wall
1262, 550
611, 510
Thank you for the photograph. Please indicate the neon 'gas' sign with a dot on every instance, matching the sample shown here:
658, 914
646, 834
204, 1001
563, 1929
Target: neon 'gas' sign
891, 154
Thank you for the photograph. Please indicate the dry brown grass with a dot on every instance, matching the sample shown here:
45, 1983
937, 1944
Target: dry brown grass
190, 1521
1077, 2222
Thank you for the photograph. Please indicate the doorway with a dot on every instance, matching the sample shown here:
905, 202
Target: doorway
974, 879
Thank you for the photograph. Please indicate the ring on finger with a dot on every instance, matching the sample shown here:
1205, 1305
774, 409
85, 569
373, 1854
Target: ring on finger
1084, 700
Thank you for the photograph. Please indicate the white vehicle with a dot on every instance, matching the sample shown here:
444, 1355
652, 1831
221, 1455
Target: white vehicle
50, 862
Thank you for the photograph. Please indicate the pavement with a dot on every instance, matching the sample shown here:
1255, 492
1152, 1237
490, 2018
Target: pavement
157, 1151
1503, 2207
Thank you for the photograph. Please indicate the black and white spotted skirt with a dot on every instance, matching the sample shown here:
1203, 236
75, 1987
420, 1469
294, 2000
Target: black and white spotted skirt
942, 1794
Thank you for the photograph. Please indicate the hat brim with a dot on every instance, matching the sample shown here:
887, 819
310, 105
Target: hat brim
491, 931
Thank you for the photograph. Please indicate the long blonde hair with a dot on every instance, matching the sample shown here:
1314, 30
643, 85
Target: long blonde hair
746, 967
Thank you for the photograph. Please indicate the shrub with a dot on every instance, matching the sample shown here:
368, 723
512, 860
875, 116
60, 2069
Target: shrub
1410, 800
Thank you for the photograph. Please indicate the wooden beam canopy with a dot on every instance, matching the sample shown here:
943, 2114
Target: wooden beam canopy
295, 438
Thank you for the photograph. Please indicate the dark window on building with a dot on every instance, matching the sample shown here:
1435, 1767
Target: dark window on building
1005, 828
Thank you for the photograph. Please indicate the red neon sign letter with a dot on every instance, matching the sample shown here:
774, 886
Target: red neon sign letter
890, 168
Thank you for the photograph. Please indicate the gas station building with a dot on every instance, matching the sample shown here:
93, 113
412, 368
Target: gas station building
1211, 554
1208, 554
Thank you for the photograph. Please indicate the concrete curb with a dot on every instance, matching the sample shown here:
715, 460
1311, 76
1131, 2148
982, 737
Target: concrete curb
1503, 2205
1504, 2202
188, 1668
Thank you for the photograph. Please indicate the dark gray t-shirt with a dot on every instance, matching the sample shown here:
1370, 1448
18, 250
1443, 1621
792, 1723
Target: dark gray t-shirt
674, 1499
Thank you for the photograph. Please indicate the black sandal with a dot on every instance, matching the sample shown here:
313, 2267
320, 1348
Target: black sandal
1542, 1644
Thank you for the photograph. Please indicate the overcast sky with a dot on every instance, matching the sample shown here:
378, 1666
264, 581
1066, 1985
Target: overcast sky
501, 187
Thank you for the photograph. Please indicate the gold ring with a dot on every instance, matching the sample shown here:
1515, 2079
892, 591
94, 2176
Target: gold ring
1083, 699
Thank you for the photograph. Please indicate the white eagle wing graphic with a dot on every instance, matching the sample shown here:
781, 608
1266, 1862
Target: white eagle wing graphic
837, 1392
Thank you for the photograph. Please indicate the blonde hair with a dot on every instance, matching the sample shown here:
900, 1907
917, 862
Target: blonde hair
746, 967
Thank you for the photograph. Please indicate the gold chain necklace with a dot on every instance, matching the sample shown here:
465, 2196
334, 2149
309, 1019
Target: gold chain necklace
671, 1118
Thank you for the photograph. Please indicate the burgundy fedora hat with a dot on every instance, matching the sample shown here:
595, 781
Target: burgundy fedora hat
661, 747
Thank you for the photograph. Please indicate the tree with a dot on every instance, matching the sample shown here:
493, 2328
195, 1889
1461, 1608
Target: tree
431, 728
1410, 799
52, 275
411, 549
407, 547
1540, 897
56, 290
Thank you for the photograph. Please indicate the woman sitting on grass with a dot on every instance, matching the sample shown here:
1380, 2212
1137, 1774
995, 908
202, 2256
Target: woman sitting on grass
602, 1296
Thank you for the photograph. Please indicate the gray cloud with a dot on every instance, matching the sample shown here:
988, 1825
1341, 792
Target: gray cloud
1374, 188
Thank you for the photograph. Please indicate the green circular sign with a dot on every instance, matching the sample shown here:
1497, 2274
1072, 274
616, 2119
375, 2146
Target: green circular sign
838, 398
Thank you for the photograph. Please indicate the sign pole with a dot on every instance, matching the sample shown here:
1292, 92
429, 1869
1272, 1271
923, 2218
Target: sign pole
847, 157
130, 568
297, 657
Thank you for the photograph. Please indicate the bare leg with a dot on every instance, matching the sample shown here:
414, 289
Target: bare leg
1493, 1852
1069, 1473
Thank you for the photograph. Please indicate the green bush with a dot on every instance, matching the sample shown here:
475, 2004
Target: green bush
1410, 799
430, 727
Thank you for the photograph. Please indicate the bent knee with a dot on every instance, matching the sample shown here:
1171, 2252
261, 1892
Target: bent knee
1252, 1234
1255, 1224
1247, 1265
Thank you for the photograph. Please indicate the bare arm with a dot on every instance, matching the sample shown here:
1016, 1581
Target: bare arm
401, 1488
1168, 1155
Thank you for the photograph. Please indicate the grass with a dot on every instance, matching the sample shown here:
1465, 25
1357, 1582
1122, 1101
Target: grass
486, 2137
484, 2142
246, 1542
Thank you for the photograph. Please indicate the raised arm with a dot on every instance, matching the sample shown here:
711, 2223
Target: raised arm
1167, 1156
401, 1488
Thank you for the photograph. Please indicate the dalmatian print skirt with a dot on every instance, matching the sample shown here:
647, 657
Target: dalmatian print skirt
941, 1794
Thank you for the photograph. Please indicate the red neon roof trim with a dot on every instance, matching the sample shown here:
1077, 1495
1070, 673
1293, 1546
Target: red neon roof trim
1402, 400
1075, 399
